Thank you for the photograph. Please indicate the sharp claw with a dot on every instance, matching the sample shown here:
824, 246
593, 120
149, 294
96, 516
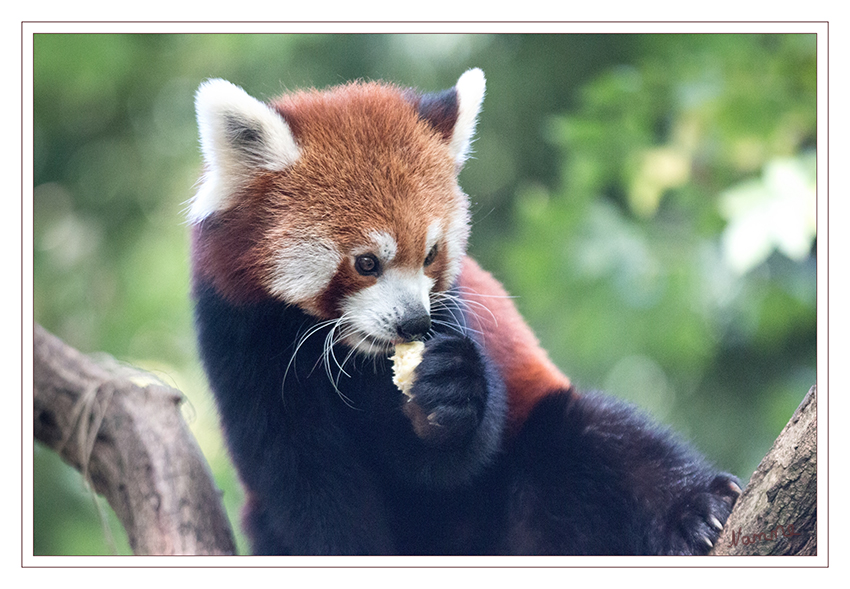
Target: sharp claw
715, 523
735, 488
707, 542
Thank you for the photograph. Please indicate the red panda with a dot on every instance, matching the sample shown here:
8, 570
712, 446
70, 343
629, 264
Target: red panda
328, 228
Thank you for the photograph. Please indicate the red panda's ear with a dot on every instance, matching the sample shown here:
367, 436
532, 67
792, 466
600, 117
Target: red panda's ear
239, 136
470, 95
453, 113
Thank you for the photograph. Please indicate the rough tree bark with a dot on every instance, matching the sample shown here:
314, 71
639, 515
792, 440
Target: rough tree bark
777, 512
123, 430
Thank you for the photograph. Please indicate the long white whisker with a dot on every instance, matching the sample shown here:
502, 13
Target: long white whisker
301, 341
341, 336
472, 306
448, 302
467, 290
344, 360
454, 326
472, 303
329, 350
330, 342
333, 337
451, 319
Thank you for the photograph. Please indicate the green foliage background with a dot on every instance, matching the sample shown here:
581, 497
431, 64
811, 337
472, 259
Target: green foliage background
649, 199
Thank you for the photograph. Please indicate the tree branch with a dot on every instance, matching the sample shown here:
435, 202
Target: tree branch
777, 512
122, 429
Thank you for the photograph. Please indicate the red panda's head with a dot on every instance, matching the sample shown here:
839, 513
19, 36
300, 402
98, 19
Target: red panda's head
343, 202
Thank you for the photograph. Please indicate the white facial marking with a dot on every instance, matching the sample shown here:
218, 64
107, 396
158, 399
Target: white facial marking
435, 232
374, 312
385, 246
303, 269
455, 240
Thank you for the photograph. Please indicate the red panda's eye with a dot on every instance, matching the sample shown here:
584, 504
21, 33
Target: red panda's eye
429, 259
367, 265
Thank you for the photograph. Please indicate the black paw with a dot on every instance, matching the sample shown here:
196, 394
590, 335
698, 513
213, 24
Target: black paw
449, 393
703, 514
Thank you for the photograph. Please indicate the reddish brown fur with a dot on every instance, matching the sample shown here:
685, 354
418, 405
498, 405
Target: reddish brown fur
227, 247
366, 152
368, 163
528, 372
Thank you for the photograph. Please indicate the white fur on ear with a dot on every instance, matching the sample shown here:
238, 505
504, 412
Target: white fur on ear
239, 134
470, 94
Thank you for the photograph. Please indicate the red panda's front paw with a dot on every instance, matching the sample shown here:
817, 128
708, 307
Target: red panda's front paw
703, 514
447, 400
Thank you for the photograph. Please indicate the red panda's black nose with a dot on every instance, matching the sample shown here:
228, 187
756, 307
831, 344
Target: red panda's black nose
413, 326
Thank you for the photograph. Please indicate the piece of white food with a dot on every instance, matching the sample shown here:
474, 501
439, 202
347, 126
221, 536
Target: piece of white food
407, 357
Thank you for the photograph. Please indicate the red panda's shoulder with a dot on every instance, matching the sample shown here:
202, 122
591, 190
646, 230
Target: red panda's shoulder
524, 365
